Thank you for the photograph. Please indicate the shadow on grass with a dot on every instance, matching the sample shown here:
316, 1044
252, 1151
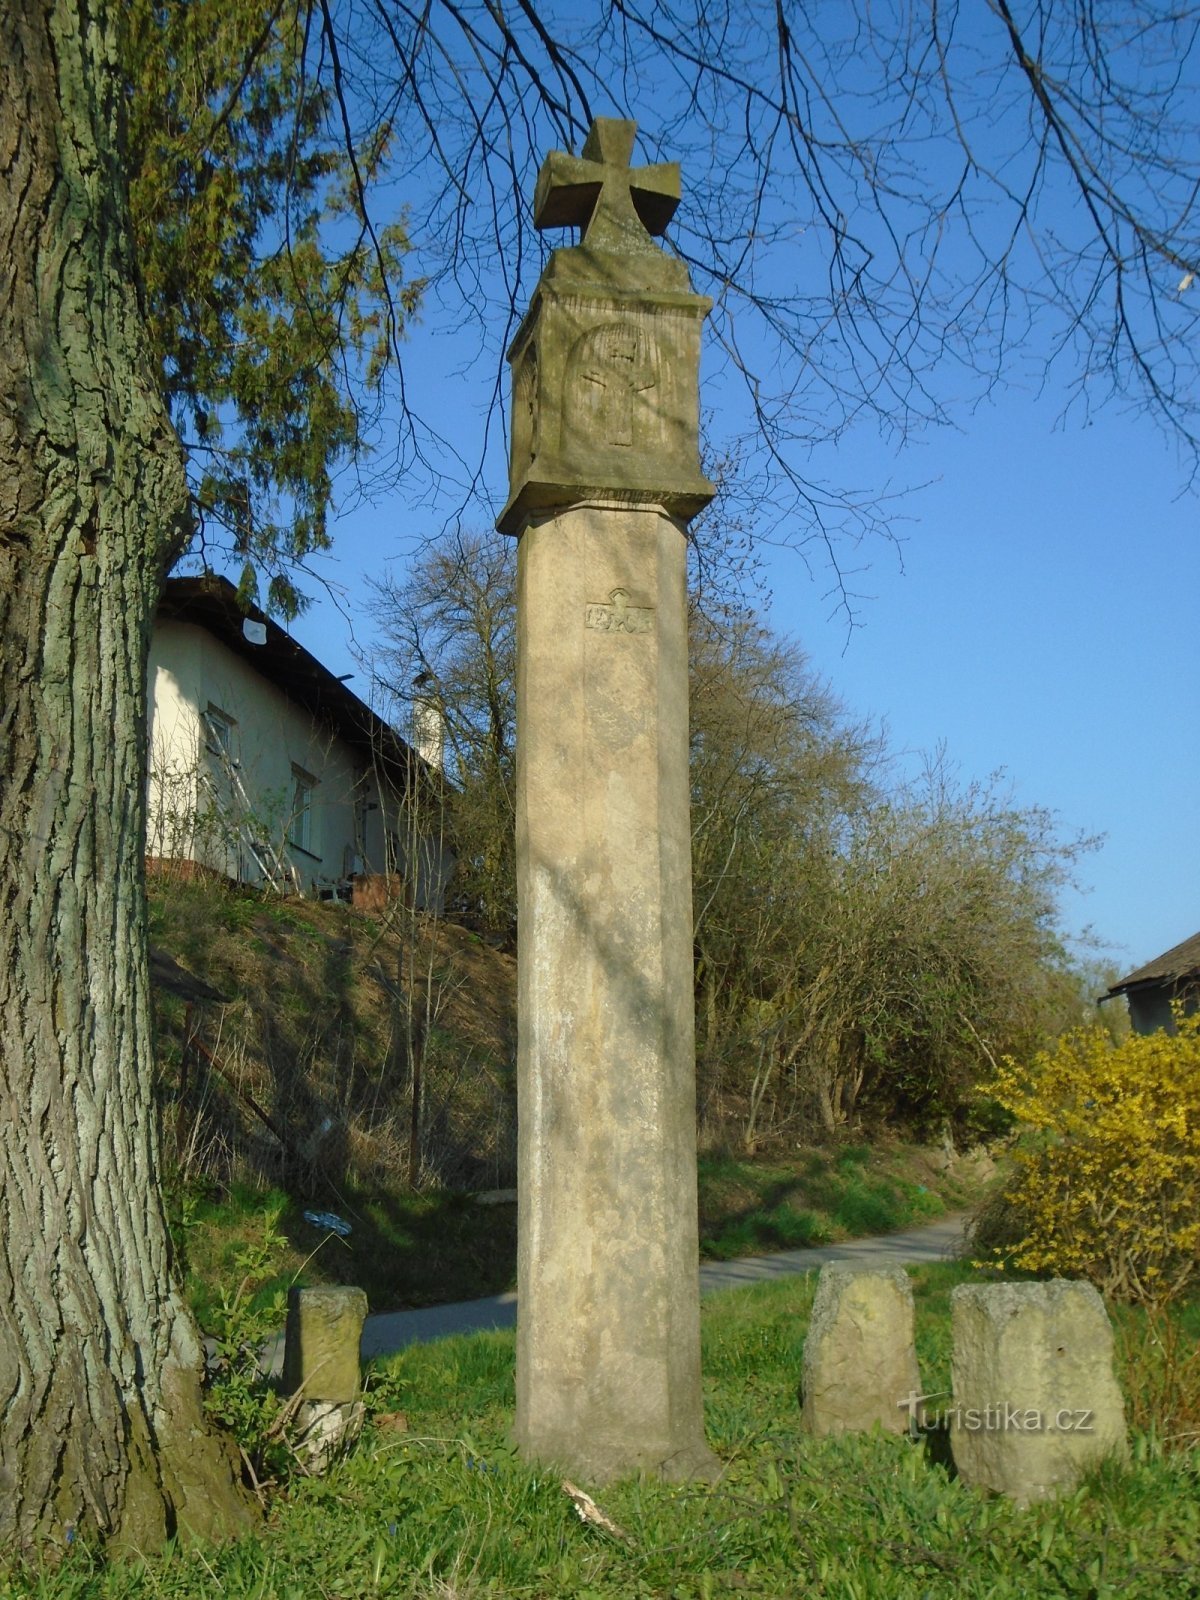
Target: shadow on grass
411, 1250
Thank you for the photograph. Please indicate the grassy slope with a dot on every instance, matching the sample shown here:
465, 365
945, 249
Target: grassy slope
434, 1504
322, 1003
435, 1247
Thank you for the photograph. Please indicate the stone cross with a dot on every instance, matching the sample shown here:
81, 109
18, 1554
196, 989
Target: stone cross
604, 477
617, 205
605, 364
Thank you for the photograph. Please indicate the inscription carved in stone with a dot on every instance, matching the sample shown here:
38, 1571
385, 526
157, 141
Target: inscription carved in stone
609, 368
618, 616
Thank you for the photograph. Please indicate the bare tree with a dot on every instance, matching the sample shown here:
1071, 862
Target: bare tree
448, 651
864, 944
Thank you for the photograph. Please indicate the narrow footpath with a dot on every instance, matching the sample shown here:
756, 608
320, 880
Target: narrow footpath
936, 1241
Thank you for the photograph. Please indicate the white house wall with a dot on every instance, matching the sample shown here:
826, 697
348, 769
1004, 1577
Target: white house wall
270, 737
417, 848
174, 741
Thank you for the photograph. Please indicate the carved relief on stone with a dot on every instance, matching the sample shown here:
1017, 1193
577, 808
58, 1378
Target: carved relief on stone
618, 616
610, 369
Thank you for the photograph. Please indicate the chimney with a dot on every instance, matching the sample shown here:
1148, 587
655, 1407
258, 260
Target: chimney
428, 721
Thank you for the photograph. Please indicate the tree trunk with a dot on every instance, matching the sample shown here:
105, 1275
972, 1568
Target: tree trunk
101, 1427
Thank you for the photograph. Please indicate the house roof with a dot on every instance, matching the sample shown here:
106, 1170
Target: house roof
1180, 961
211, 602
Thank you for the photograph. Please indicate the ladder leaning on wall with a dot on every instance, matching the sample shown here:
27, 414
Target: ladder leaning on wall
244, 832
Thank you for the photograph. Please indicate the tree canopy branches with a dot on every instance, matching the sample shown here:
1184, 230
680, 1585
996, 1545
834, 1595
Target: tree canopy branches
893, 207
273, 300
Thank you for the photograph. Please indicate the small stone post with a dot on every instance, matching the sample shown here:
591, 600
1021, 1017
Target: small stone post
321, 1363
604, 478
860, 1364
1035, 1399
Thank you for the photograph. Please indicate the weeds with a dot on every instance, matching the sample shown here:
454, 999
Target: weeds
340, 1042
238, 1397
441, 1505
1160, 1360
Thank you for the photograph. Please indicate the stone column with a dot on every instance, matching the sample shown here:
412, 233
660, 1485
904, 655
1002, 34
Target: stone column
605, 475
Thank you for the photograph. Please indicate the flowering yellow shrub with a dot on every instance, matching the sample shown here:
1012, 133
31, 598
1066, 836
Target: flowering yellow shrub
1109, 1186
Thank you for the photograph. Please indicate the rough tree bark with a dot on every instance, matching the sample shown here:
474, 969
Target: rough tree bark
101, 1428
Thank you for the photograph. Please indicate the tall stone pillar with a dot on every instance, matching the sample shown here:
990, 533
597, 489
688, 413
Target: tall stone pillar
604, 478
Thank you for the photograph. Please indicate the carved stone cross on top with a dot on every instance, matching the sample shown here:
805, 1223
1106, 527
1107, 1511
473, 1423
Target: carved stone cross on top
618, 206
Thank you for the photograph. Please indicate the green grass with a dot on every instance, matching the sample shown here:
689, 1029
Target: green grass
404, 1249
444, 1508
817, 1197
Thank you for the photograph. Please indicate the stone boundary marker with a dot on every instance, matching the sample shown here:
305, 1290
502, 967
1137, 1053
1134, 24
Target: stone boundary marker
321, 1369
859, 1358
1036, 1401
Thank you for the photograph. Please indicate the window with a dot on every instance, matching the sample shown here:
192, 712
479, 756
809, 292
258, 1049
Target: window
218, 734
301, 831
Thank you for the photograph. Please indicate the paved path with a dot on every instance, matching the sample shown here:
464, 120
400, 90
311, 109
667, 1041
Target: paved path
937, 1241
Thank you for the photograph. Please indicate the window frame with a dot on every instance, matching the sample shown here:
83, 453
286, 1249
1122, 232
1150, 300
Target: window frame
219, 728
302, 827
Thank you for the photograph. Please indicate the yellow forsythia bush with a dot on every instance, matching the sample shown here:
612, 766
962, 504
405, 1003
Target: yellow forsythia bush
1108, 1186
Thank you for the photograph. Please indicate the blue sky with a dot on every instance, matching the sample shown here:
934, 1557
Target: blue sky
1038, 617
1044, 622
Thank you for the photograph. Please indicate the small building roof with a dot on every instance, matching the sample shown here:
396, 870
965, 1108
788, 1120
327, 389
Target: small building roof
211, 602
1180, 961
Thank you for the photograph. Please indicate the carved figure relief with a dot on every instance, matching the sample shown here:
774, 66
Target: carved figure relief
618, 616
609, 368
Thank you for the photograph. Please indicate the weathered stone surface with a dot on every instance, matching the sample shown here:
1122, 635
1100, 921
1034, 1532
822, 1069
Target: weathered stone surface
618, 206
860, 1365
608, 1345
321, 1368
323, 1429
606, 362
324, 1328
605, 471
1035, 1399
